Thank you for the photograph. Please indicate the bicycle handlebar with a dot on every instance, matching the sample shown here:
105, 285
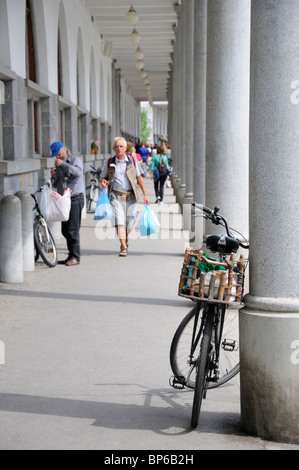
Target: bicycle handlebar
216, 219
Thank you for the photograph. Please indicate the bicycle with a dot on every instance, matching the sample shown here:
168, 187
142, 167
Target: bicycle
92, 191
43, 240
204, 352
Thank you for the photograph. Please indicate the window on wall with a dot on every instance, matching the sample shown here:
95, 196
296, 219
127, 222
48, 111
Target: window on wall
79, 133
30, 44
36, 126
59, 68
62, 125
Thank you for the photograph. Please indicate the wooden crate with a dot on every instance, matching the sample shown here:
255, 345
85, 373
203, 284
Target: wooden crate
223, 283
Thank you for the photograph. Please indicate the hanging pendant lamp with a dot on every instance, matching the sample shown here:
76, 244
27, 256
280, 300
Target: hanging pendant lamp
135, 36
139, 54
132, 16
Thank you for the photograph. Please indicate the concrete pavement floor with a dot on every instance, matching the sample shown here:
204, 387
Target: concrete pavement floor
87, 356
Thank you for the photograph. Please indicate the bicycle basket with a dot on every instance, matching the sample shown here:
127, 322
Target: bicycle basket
206, 279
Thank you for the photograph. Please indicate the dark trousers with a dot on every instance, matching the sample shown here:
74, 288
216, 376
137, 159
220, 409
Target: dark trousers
159, 186
71, 228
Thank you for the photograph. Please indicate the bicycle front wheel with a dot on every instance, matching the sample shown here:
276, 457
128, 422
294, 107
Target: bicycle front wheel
45, 244
202, 368
186, 343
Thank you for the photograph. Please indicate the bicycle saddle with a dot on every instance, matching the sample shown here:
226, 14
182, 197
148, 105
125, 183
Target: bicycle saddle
222, 244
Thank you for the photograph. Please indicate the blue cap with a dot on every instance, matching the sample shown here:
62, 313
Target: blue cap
55, 148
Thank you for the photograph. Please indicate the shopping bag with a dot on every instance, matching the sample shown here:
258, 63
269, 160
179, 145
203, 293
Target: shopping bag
59, 207
149, 223
44, 200
104, 208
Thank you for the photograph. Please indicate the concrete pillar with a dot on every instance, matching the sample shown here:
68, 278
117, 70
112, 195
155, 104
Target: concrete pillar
199, 106
27, 231
15, 120
11, 252
182, 112
227, 131
174, 116
189, 95
199, 113
71, 129
269, 323
2, 92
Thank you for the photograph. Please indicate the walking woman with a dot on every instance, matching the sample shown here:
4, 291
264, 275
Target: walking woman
160, 169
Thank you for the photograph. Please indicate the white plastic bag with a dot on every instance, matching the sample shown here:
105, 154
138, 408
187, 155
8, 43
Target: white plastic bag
59, 207
44, 200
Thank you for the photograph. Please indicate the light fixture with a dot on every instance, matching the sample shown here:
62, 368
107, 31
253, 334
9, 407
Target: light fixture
139, 64
132, 16
135, 36
142, 74
139, 54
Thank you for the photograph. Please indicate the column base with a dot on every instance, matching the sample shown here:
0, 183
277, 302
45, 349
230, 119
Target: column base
269, 377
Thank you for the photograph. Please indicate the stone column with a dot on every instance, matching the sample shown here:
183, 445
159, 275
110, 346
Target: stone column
177, 99
116, 129
269, 323
11, 249
188, 123
182, 110
199, 110
15, 120
175, 107
227, 131
50, 123
71, 129
27, 231
85, 134
199, 114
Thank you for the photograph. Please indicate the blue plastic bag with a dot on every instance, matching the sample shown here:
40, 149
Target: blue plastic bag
104, 208
149, 223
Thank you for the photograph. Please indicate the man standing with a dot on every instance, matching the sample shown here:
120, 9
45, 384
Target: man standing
123, 175
68, 173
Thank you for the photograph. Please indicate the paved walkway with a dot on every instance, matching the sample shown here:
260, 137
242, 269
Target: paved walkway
87, 355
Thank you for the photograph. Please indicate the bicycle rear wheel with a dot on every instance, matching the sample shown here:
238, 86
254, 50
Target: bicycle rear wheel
186, 343
92, 196
45, 244
202, 368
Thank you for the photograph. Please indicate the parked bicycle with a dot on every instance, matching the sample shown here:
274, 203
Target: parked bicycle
204, 352
43, 240
92, 191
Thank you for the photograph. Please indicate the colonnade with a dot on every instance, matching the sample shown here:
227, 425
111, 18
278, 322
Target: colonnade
234, 133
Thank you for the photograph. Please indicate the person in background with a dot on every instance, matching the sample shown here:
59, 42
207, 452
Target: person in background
136, 155
159, 170
68, 173
144, 152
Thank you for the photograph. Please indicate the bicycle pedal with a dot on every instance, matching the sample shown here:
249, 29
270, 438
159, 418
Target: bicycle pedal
177, 382
230, 345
